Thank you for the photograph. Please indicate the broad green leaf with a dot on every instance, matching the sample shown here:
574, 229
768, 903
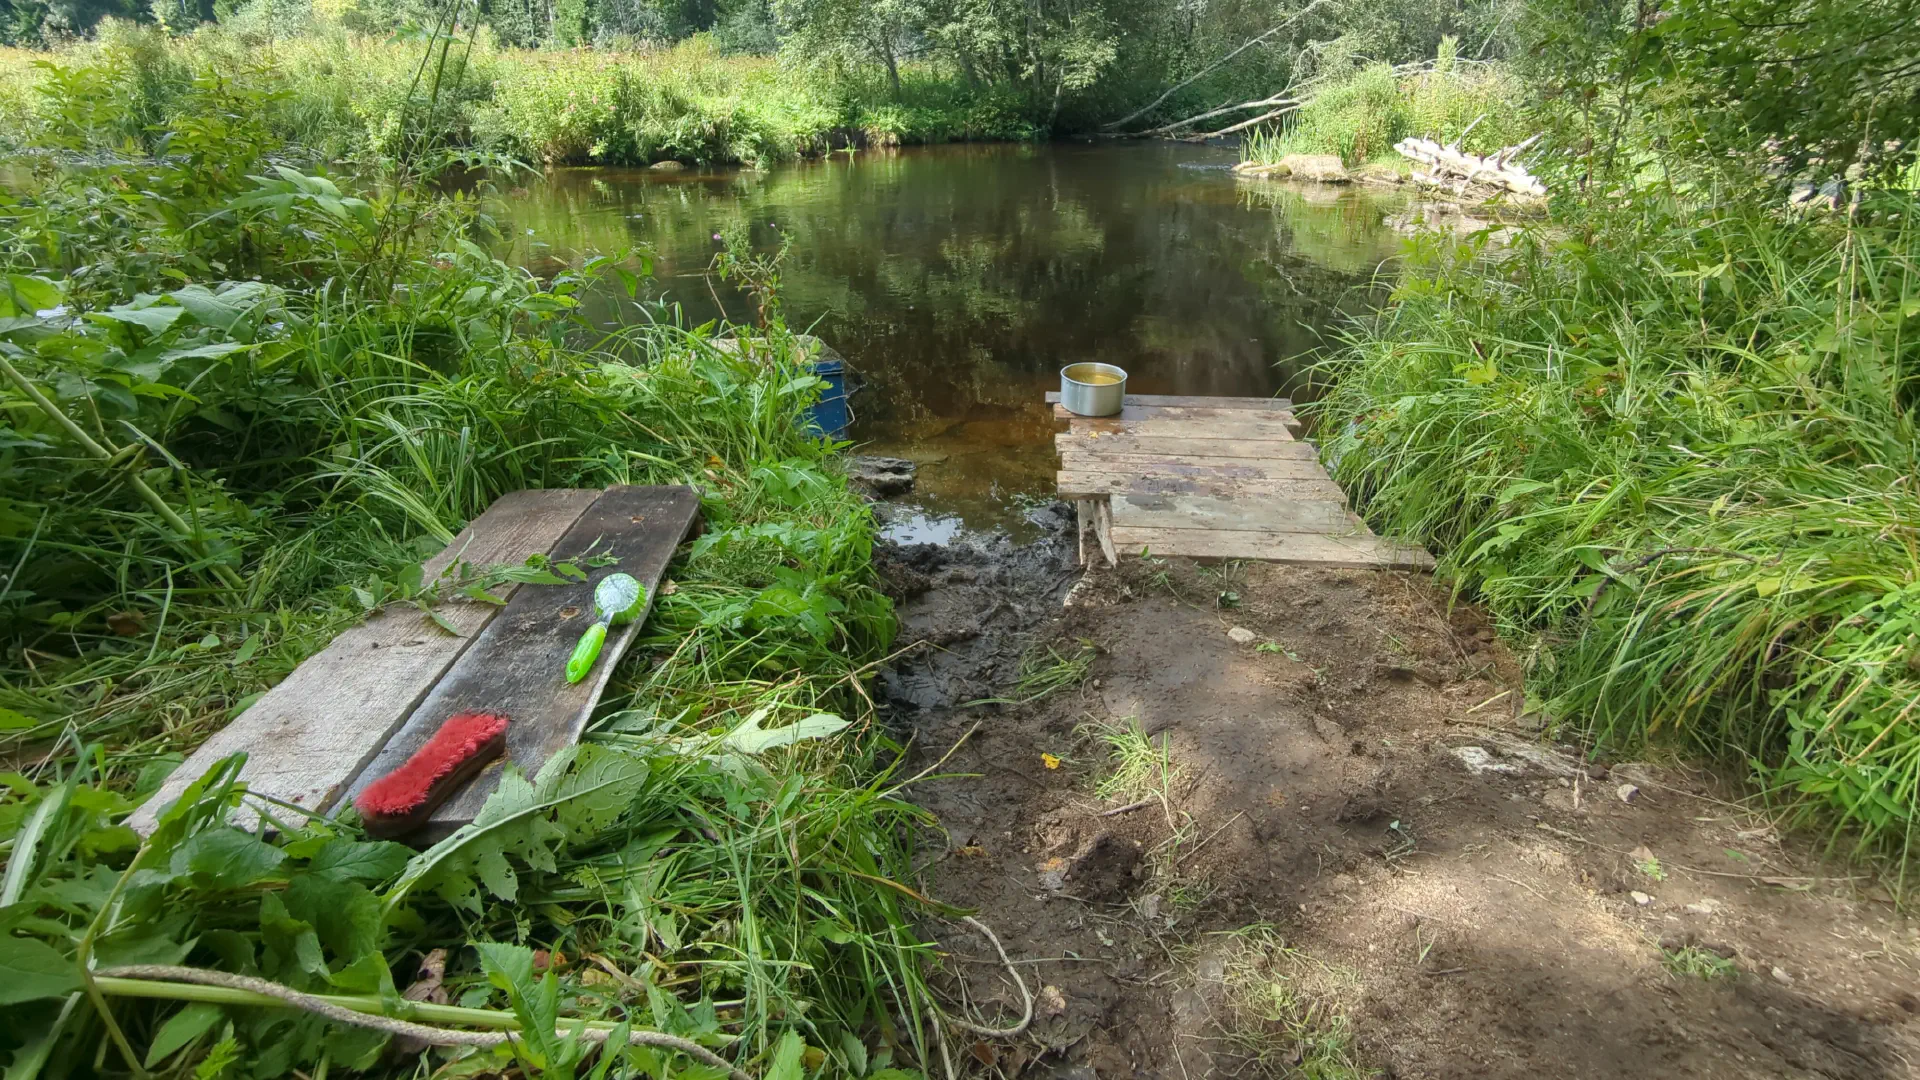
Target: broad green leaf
751, 738
31, 969
349, 860
11, 720
154, 319
180, 1029
229, 857
30, 294
344, 914
786, 1058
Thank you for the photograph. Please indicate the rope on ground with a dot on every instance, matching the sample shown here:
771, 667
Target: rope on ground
426, 1033
1026, 998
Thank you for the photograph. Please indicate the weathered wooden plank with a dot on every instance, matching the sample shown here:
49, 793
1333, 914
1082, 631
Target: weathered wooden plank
1307, 549
1092, 445
1210, 414
1240, 468
1256, 430
1073, 484
517, 666
1198, 400
1325, 516
306, 738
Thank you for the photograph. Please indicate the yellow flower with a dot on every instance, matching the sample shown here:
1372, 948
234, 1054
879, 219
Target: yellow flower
1049, 761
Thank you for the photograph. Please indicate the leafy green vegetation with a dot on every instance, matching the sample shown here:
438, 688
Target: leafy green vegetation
1358, 111
1671, 433
1696, 962
335, 95
241, 401
1285, 1010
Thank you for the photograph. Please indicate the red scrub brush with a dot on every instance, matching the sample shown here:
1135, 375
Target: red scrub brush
402, 800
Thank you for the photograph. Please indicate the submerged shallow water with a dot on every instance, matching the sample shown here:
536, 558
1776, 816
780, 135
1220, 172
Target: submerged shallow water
958, 280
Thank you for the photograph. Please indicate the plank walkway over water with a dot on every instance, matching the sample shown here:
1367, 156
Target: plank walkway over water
1213, 478
359, 707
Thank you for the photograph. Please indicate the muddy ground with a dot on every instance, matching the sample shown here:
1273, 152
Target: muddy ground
1360, 856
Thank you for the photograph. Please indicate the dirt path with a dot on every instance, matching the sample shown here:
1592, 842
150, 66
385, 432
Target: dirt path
1349, 856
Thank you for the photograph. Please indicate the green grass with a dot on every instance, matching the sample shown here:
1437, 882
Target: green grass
1678, 443
1695, 962
320, 380
1046, 669
1285, 1011
335, 95
1358, 114
1137, 766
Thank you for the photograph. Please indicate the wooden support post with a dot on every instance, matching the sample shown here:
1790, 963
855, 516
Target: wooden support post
1083, 513
1103, 529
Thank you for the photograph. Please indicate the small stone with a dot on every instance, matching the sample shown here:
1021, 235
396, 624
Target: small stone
882, 475
1240, 635
1704, 907
1640, 898
1052, 1002
1780, 976
1627, 792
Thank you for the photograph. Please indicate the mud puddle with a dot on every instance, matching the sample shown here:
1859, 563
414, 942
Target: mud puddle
1271, 821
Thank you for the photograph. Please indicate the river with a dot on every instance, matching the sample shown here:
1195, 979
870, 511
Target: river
957, 280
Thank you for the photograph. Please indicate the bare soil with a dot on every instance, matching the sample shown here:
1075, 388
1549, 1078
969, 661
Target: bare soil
1435, 887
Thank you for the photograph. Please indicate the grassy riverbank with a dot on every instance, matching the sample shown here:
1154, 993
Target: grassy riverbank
334, 95
1676, 452
1357, 113
240, 403
1669, 435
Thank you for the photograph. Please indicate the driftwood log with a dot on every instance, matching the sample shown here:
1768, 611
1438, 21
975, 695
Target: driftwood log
1451, 167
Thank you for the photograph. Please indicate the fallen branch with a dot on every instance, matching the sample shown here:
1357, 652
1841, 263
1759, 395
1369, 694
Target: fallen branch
1453, 167
1191, 79
1280, 98
164, 980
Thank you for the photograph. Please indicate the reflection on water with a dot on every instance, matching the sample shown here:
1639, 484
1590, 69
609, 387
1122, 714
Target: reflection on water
958, 281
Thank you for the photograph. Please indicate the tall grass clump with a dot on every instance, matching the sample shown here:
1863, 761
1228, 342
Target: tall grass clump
1675, 446
239, 401
1358, 111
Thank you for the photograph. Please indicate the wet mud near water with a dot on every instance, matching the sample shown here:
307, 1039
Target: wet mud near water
1363, 845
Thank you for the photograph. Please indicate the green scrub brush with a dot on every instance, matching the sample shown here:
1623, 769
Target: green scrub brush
616, 600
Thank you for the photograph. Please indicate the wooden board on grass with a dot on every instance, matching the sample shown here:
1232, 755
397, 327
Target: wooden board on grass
517, 666
308, 737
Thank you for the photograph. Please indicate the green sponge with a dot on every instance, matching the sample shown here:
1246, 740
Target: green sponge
616, 600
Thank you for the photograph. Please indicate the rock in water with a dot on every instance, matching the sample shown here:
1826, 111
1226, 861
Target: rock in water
1321, 168
667, 166
882, 475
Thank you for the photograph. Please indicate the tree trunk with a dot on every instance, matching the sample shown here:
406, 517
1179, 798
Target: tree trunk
893, 70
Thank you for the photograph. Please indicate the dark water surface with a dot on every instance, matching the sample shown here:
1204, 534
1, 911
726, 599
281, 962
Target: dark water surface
958, 280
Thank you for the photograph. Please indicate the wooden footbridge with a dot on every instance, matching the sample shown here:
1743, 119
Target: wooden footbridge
1212, 478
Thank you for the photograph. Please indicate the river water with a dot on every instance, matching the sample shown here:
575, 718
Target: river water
958, 280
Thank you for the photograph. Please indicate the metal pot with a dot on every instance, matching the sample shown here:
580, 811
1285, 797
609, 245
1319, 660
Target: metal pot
1083, 397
